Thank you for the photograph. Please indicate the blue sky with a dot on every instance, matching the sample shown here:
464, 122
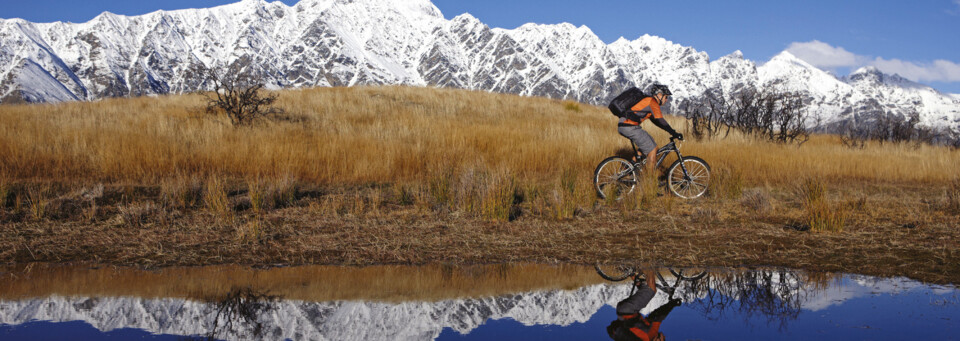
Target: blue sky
917, 39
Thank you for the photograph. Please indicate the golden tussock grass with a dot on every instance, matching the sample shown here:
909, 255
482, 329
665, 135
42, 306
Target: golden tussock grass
344, 136
311, 283
374, 175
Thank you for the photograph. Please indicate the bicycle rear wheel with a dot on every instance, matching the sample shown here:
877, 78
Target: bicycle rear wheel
615, 177
614, 272
694, 183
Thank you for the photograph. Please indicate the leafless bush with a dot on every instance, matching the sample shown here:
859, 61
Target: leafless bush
889, 127
769, 114
237, 94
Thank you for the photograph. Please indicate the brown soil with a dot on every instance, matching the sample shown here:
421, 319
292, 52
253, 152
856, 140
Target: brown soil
888, 230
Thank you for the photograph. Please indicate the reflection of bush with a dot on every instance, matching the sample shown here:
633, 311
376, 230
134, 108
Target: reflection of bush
774, 294
241, 309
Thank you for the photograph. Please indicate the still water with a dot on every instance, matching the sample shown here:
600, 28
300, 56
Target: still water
502, 302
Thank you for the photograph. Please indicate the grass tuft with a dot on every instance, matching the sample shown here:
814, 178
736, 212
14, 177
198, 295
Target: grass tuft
215, 197
822, 215
37, 201
757, 200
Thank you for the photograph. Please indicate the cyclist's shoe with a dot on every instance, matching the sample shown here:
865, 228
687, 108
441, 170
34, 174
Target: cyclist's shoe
639, 280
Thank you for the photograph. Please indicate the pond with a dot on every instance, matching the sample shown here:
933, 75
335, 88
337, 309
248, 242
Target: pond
438, 302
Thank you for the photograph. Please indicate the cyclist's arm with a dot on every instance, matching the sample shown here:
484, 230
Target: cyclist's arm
660, 314
658, 120
662, 123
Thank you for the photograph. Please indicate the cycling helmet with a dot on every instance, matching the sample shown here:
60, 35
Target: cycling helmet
660, 88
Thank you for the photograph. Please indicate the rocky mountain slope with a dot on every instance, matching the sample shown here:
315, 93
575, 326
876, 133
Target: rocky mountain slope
361, 42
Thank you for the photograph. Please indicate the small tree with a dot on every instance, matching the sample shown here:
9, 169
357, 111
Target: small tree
236, 93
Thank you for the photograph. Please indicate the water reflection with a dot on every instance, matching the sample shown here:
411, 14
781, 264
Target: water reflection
514, 306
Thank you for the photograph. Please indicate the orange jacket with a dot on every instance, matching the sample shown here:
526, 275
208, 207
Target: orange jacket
646, 102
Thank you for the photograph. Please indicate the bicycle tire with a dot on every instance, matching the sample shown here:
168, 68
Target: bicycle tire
618, 171
696, 186
695, 276
614, 272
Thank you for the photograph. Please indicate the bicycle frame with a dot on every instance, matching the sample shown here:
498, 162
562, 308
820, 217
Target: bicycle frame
662, 153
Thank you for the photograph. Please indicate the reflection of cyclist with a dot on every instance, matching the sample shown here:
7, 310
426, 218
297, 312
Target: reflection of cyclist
630, 324
629, 125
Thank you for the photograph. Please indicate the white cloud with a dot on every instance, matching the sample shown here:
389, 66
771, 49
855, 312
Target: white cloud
826, 56
938, 71
822, 55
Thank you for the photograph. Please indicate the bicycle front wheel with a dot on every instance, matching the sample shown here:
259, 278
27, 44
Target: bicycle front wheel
614, 271
615, 177
690, 184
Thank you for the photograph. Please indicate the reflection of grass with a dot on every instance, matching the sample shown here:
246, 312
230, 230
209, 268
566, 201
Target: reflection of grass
312, 283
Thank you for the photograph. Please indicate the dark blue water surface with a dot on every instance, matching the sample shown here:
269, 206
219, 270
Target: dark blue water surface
756, 305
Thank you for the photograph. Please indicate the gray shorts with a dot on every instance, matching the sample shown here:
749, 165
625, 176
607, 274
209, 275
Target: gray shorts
641, 138
636, 302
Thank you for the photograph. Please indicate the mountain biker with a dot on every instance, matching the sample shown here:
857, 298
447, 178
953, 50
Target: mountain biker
630, 323
629, 125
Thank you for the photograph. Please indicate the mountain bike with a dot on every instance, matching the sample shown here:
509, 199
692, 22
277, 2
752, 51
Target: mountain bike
688, 179
619, 272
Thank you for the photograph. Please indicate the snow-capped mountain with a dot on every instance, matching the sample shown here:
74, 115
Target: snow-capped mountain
359, 42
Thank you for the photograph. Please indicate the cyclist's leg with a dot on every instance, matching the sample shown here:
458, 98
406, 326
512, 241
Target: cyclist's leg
636, 302
641, 139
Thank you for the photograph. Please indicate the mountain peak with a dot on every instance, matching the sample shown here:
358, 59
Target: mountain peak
788, 58
736, 55
866, 70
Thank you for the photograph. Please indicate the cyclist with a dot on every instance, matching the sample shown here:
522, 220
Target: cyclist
630, 323
629, 125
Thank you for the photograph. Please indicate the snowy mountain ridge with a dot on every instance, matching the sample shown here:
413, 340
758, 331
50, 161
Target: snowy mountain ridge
408, 42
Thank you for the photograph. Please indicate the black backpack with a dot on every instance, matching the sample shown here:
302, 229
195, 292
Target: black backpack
626, 100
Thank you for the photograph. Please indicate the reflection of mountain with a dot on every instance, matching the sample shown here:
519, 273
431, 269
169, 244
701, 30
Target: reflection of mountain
342, 320
357, 320
856, 286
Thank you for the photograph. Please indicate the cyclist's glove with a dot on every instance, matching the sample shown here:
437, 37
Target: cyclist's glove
678, 136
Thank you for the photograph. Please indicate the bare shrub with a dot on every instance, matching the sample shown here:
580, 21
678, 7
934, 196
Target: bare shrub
890, 127
238, 94
767, 114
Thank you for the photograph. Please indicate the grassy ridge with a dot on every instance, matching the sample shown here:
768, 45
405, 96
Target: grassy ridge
344, 136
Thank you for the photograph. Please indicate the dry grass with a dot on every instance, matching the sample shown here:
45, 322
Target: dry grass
953, 197
822, 214
344, 136
398, 175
